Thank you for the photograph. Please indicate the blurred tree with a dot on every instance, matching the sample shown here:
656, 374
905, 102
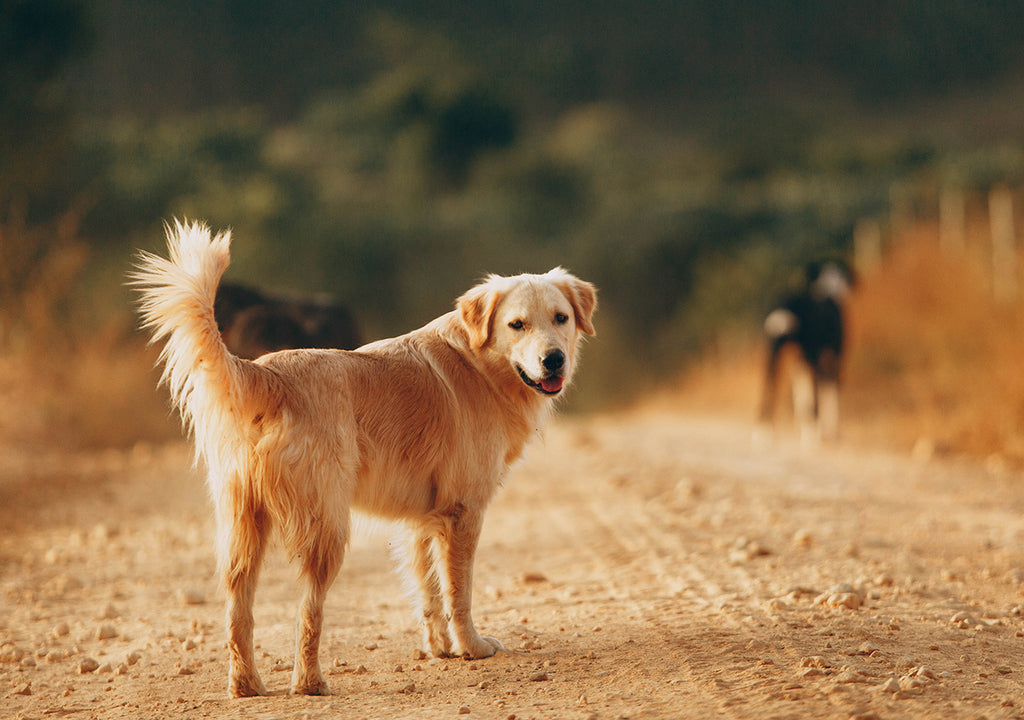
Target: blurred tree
40, 253
469, 125
38, 41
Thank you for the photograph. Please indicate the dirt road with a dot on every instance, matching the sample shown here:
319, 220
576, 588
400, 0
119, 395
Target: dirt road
635, 566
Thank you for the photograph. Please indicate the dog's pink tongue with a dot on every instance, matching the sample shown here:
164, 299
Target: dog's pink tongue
552, 385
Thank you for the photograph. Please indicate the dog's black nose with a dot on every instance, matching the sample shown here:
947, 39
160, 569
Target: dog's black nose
554, 360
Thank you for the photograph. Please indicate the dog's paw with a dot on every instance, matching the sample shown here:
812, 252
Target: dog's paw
482, 647
437, 641
252, 686
316, 687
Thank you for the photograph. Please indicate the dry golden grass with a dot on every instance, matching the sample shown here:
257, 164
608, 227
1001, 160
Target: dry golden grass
64, 385
934, 357
934, 361
93, 393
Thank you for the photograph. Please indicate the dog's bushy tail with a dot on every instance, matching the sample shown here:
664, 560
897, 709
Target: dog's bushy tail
207, 383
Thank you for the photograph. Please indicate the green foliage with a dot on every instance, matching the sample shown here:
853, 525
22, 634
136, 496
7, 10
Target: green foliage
393, 194
688, 245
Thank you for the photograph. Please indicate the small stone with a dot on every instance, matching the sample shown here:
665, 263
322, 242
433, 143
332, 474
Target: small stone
132, 657
803, 538
189, 644
23, 689
419, 655
56, 655
867, 648
464, 710
909, 682
813, 661
61, 629
191, 596
848, 675
848, 600
106, 631
408, 688
889, 686
11, 654
105, 668
884, 580
1004, 669
530, 578
186, 670
109, 613
361, 670
87, 665
745, 549
102, 532
539, 677
905, 663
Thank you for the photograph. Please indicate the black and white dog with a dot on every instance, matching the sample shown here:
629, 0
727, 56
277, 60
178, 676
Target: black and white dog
806, 334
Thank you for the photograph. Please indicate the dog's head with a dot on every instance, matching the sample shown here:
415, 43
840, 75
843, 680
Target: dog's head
534, 322
829, 279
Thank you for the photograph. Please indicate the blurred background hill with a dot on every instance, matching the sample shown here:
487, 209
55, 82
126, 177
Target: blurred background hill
688, 157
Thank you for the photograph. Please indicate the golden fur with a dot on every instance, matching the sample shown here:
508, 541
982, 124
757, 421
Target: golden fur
420, 428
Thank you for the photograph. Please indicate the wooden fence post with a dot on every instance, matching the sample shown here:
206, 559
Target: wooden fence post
1004, 244
867, 245
952, 222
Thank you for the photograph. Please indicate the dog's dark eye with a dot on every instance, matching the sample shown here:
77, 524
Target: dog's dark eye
516, 324
561, 318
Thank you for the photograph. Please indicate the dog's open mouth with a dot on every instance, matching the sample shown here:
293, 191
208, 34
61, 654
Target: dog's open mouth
549, 385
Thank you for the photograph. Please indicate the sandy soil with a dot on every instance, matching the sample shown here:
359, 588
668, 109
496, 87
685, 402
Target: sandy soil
647, 565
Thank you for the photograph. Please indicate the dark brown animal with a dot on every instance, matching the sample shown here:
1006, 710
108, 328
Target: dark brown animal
253, 323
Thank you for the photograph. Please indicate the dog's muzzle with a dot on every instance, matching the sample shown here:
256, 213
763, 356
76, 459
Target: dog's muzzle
553, 380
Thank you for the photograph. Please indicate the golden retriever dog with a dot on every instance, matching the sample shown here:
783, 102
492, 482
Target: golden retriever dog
420, 428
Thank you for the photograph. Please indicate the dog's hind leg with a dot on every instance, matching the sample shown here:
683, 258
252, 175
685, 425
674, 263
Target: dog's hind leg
321, 561
771, 379
457, 545
417, 556
803, 386
244, 540
828, 410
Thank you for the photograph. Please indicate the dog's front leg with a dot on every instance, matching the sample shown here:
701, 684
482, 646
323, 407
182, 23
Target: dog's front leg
457, 549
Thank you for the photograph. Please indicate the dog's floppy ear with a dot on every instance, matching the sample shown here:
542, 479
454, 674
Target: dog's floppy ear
476, 308
582, 296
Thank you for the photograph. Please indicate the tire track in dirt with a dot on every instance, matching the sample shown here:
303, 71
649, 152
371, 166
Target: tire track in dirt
681, 567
